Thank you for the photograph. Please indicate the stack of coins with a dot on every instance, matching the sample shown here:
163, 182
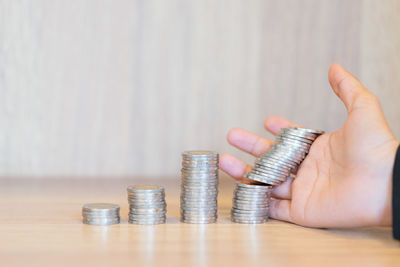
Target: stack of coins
146, 204
199, 188
277, 163
250, 203
100, 213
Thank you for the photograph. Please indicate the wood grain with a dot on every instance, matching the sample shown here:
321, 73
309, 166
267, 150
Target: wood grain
115, 88
40, 225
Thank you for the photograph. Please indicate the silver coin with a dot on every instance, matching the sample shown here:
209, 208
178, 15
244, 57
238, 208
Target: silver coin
146, 219
198, 222
147, 195
199, 213
100, 214
101, 221
100, 207
296, 138
243, 221
188, 208
197, 187
206, 180
250, 204
247, 201
198, 209
204, 217
199, 165
251, 194
275, 162
145, 188
247, 213
148, 199
274, 166
255, 186
262, 179
146, 222
201, 173
146, 203
199, 194
139, 206
246, 216
298, 134
210, 176
199, 219
199, 199
147, 211
283, 156
204, 205
293, 146
250, 198
269, 170
287, 151
197, 153
313, 131
269, 174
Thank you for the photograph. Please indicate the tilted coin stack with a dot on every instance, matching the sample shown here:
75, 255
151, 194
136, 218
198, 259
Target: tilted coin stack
250, 203
199, 187
146, 204
100, 213
283, 157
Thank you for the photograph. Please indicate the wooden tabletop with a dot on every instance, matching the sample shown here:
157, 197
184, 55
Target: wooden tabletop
40, 225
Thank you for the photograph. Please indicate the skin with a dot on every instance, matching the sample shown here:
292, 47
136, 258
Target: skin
345, 181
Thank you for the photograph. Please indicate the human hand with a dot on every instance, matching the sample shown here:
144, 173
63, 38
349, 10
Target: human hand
346, 179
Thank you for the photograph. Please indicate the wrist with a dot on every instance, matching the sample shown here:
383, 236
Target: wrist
386, 216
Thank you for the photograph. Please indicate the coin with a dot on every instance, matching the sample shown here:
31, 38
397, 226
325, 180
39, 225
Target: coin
146, 204
100, 213
283, 157
250, 203
199, 186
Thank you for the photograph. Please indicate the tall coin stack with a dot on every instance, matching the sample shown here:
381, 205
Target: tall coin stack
100, 213
250, 203
146, 204
291, 147
199, 188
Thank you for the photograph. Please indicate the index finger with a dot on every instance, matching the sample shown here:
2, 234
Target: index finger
274, 124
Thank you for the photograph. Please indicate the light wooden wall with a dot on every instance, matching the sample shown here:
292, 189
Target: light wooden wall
111, 88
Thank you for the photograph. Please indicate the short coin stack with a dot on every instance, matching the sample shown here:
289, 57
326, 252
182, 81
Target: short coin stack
199, 188
250, 203
100, 213
146, 204
291, 147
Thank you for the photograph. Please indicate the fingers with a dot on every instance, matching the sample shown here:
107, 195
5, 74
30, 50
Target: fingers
280, 210
284, 190
248, 142
273, 124
346, 86
233, 166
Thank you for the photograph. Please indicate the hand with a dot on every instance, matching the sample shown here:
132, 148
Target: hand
346, 179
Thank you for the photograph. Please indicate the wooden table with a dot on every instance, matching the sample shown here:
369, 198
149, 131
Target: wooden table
40, 225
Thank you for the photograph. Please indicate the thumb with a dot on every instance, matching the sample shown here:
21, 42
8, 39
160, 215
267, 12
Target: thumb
346, 86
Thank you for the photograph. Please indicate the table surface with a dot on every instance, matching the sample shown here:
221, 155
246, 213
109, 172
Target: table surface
40, 225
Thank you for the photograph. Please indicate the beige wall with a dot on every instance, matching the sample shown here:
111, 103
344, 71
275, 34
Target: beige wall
100, 88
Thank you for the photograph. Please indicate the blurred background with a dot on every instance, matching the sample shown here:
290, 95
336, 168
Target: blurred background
120, 88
